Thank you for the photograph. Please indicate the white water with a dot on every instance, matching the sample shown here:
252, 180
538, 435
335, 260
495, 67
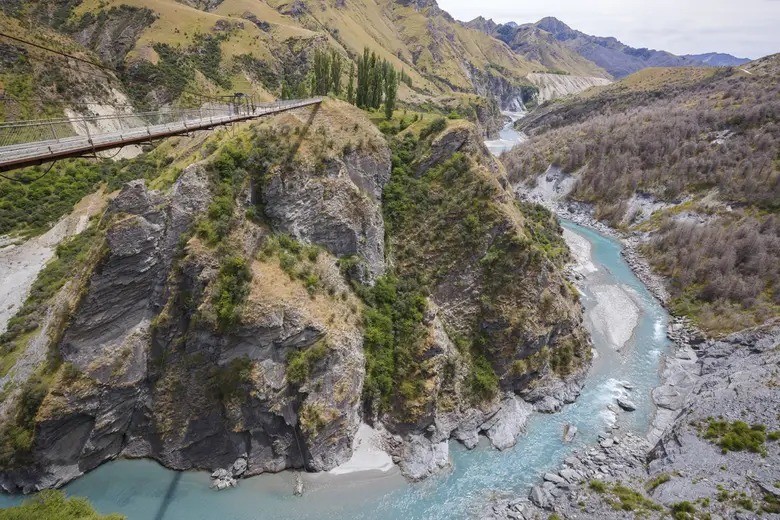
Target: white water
508, 137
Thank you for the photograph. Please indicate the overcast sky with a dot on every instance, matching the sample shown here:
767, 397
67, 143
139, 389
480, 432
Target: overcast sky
745, 28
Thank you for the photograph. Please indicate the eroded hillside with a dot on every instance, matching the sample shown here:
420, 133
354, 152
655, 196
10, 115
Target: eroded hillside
686, 158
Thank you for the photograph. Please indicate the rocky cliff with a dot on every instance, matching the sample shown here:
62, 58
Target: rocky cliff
260, 333
470, 267
552, 86
289, 286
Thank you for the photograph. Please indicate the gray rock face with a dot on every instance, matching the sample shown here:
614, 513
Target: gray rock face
504, 427
540, 497
139, 350
549, 394
205, 5
423, 457
738, 382
114, 32
339, 210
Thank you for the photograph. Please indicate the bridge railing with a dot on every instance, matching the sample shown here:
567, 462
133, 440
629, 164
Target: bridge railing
59, 130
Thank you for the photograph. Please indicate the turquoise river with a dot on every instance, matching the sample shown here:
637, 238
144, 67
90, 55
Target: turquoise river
143, 490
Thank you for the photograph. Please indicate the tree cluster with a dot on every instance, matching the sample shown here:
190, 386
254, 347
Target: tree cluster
326, 73
377, 82
724, 271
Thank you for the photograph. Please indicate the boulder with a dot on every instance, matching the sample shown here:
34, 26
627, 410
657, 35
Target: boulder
569, 432
239, 467
539, 497
555, 479
626, 404
504, 427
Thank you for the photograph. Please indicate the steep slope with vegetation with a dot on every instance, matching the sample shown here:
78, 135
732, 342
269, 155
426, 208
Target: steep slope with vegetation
459, 242
254, 274
690, 156
34, 85
167, 48
196, 268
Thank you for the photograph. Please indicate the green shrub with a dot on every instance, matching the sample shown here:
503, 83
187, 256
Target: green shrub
32, 208
53, 505
736, 436
484, 381
631, 500
771, 503
301, 363
598, 486
392, 330
232, 288
434, 127
657, 481
18, 434
231, 378
683, 511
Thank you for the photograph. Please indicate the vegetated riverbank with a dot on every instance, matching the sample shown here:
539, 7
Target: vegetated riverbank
711, 448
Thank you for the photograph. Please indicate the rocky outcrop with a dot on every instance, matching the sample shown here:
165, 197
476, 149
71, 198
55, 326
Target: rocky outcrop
510, 96
204, 5
149, 329
737, 383
335, 201
113, 33
469, 314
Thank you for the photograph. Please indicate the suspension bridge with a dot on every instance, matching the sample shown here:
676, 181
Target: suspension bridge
34, 142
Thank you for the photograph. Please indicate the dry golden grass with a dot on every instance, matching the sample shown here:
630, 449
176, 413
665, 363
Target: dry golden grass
430, 47
273, 291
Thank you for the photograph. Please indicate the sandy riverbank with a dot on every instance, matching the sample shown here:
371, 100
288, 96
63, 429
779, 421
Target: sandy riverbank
615, 315
368, 453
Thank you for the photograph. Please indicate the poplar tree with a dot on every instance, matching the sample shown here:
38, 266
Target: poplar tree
391, 90
363, 79
377, 84
321, 79
351, 86
335, 72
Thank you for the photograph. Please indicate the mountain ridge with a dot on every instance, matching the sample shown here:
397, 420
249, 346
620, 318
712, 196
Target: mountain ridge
603, 52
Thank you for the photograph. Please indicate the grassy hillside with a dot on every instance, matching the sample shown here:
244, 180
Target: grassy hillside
252, 46
701, 145
33, 84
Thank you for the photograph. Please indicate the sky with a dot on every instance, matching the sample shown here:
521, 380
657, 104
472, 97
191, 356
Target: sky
744, 28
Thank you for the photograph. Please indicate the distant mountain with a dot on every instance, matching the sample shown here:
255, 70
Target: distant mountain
717, 59
557, 46
541, 46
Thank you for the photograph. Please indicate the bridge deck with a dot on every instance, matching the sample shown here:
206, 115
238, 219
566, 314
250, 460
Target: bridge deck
38, 152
